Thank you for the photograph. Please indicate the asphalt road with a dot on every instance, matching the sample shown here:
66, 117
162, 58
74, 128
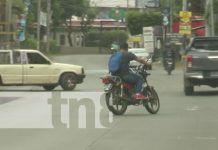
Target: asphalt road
33, 119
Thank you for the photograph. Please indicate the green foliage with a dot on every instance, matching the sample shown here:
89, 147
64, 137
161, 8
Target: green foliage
29, 43
87, 18
197, 7
17, 6
106, 38
57, 13
215, 6
53, 48
137, 20
79, 8
72, 7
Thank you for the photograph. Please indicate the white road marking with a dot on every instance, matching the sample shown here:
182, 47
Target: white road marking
105, 71
205, 138
192, 108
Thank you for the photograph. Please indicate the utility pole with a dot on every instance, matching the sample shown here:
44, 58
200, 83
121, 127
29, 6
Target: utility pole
212, 17
184, 5
210, 21
48, 25
171, 5
8, 25
127, 4
38, 25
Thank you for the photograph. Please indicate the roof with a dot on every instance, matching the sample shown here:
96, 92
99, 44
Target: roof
113, 3
100, 23
26, 50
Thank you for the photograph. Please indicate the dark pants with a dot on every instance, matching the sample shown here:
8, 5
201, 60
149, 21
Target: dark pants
135, 79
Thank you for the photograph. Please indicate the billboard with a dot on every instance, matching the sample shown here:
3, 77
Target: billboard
185, 22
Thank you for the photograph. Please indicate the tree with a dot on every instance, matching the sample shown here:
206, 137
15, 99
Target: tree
197, 7
137, 20
86, 19
17, 7
56, 17
72, 8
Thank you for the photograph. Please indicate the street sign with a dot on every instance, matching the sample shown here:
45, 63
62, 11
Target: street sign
165, 21
117, 13
148, 38
185, 28
185, 16
185, 22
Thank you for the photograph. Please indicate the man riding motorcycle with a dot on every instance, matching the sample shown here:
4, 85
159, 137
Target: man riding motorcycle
169, 53
127, 75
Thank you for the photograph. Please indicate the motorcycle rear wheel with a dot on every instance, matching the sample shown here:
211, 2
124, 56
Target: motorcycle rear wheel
153, 104
115, 104
169, 71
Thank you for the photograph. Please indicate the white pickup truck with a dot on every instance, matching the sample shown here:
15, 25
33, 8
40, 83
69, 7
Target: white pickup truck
31, 67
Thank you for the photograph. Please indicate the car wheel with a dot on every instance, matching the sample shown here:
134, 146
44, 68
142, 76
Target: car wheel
188, 88
68, 81
49, 87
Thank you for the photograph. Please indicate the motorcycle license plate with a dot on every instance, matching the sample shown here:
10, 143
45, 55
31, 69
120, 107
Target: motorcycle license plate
107, 87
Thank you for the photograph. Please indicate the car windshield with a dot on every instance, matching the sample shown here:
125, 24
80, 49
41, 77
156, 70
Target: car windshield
206, 44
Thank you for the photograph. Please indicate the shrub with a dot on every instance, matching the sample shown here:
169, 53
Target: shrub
29, 43
105, 38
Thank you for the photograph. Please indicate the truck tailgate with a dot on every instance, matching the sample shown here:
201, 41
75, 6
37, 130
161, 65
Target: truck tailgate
205, 60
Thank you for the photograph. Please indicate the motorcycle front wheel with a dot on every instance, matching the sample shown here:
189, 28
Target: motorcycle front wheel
114, 103
153, 103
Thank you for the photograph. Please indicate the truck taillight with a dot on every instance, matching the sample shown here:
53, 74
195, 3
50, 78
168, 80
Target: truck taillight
189, 60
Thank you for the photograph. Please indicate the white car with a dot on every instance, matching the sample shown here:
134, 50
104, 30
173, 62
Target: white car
144, 54
31, 67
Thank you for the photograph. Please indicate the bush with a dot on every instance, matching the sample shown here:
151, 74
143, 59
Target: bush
53, 48
105, 38
29, 43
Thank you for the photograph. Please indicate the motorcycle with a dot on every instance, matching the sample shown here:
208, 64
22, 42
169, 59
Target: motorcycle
119, 94
169, 65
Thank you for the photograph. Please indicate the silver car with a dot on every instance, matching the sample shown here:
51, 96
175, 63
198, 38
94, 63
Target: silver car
144, 54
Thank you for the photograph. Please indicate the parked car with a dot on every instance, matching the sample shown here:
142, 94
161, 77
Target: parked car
31, 67
143, 53
200, 65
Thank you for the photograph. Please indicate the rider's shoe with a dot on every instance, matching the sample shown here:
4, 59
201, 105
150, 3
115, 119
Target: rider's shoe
140, 96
